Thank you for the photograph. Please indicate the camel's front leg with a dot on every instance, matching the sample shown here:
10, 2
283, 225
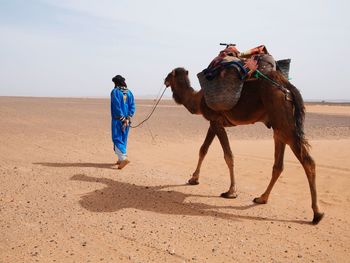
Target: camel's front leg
225, 144
202, 153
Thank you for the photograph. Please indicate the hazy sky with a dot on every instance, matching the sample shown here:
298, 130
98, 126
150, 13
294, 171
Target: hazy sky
74, 47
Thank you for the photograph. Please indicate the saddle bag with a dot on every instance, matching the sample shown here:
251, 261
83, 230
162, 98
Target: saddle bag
283, 65
223, 92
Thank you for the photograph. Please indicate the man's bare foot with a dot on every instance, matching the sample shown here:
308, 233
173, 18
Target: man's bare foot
118, 162
123, 163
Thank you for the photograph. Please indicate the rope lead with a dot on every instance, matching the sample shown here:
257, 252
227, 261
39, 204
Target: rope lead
154, 108
258, 73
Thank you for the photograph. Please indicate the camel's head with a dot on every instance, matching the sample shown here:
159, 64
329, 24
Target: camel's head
178, 81
174, 76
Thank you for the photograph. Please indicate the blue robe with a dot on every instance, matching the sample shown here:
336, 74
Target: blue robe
122, 106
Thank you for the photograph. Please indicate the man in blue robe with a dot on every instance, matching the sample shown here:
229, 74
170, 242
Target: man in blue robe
122, 109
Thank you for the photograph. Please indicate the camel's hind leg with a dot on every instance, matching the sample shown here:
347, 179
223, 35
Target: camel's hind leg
276, 170
302, 153
202, 153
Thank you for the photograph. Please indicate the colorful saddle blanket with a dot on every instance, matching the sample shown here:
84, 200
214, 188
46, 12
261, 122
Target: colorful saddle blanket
245, 62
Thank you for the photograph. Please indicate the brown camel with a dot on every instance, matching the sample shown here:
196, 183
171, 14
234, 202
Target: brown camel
260, 101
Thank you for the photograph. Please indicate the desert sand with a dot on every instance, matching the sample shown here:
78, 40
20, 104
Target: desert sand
63, 200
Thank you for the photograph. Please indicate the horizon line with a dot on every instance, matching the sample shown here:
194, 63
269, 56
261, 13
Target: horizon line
164, 98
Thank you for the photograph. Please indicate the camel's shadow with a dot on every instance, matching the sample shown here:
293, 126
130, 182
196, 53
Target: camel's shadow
119, 195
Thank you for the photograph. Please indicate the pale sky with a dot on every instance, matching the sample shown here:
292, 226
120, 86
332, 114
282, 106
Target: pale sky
72, 48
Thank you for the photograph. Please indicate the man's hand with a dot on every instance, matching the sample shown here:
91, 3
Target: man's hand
125, 124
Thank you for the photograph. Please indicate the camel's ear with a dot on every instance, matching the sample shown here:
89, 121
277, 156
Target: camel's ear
173, 73
187, 72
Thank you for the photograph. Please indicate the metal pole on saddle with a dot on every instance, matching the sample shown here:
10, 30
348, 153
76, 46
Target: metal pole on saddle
227, 45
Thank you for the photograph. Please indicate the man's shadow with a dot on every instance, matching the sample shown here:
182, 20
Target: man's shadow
119, 195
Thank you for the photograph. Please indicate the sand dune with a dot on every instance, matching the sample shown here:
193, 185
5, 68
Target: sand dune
62, 200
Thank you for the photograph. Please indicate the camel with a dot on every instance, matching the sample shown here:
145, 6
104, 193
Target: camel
260, 101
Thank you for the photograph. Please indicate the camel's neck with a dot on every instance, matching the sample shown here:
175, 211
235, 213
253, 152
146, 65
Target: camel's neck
188, 97
193, 102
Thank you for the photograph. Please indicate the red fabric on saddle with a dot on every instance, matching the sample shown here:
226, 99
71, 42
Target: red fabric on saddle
228, 51
253, 51
250, 59
246, 57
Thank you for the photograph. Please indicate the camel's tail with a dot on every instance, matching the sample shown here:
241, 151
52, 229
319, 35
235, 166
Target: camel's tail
299, 115
299, 109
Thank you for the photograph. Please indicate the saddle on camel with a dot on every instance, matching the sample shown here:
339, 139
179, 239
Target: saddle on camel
223, 79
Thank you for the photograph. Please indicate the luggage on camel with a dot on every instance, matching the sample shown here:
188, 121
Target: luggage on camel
223, 91
283, 66
223, 79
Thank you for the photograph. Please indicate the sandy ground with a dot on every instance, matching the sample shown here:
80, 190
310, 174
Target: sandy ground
62, 200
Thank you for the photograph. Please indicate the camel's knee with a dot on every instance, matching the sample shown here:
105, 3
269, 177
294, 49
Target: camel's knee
309, 165
309, 161
228, 158
277, 169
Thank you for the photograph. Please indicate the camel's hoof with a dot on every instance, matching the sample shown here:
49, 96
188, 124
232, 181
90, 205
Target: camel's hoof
229, 195
317, 218
259, 200
193, 182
